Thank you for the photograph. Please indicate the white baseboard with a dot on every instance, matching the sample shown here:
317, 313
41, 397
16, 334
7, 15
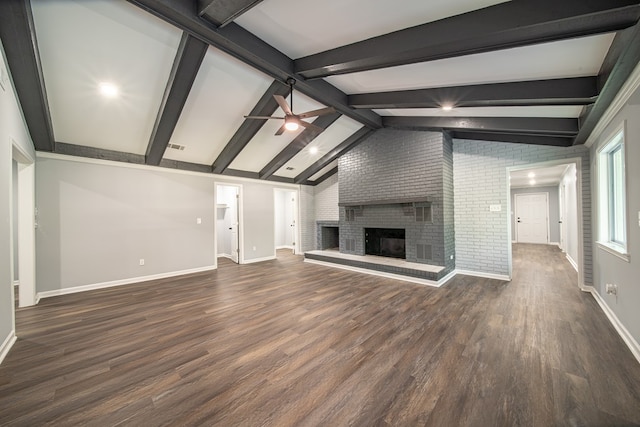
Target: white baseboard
7, 344
572, 262
483, 274
284, 247
555, 244
622, 331
129, 281
251, 261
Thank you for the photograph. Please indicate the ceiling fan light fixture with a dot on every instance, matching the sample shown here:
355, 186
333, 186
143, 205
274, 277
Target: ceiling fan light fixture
290, 124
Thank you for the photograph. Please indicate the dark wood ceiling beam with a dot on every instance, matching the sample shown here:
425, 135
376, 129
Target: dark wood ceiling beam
266, 106
222, 12
513, 138
188, 59
238, 42
621, 60
572, 91
324, 177
18, 36
342, 148
517, 125
299, 142
502, 26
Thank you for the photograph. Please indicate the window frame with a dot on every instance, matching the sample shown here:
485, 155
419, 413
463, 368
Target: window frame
612, 200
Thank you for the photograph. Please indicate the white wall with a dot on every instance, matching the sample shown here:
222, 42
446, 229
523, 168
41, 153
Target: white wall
97, 220
12, 131
608, 268
326, 200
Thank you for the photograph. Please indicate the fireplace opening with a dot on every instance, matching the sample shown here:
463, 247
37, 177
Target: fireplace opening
387, 242
330, 238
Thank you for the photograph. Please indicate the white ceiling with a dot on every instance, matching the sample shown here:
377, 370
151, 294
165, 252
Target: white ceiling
537, 177
543, 61
278, 21
82, 43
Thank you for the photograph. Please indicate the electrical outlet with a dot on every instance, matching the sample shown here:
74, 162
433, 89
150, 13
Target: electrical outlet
611, 289
141, 261
254, 248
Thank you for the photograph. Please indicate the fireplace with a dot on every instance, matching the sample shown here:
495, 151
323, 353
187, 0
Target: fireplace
389, 242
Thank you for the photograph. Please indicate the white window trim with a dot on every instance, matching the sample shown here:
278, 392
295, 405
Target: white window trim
604, 242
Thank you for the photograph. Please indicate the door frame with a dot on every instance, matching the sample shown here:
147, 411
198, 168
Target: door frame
577, 161
296, 217
240, 215
515, 200
26, 228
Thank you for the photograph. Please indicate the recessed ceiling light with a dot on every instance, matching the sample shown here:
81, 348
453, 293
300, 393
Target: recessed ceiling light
532, 181
447, 107
108, 90
531, 175
313, 150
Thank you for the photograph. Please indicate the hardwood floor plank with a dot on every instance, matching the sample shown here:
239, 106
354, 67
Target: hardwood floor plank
285, 343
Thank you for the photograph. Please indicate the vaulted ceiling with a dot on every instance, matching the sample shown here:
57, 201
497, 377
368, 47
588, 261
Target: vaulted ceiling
188, 71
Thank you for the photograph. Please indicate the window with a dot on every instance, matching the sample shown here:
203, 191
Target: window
612, 228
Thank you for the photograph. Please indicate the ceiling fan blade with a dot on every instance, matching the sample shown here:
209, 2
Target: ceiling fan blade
310, 126
283, 104
319, 112
263, 117
281, 130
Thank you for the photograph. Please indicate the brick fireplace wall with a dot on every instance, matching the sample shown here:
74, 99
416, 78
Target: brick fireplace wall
392, 166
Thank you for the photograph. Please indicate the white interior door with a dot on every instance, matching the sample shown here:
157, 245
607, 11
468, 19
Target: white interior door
234, 236
562, 206
292, 208
532, 216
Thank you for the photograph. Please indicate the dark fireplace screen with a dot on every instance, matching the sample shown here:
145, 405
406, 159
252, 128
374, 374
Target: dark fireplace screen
387, 242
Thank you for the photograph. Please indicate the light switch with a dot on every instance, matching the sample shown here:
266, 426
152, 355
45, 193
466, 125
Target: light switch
495, 208
198, 220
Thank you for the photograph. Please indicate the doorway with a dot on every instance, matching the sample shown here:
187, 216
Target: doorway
23, 226
563, 182
285, 202
228, 224
532, 218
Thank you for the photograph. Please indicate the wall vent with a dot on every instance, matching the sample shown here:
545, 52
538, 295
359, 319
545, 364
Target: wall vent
423, 213
423, 251
176, 147
351, 244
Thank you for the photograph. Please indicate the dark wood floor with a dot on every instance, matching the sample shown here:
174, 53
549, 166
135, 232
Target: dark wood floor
286, 343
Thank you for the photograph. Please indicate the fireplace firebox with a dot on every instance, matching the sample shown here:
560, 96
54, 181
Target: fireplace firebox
389, 242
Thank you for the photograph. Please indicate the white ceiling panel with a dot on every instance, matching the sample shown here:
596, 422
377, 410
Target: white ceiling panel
572, 111
542, 61
537, 177
324, 170
223, 92
84, 43
264, 146
340, 130
332, 23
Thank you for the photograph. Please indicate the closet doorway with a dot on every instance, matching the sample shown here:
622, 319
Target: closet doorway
285, 202
228, 223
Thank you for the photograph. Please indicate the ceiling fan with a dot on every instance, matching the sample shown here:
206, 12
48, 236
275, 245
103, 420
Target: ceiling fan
293, 121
